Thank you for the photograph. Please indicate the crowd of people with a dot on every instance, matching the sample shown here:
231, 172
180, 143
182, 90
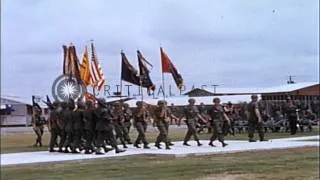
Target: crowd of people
91, 126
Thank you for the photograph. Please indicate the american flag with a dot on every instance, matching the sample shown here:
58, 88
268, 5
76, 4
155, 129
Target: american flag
97, 76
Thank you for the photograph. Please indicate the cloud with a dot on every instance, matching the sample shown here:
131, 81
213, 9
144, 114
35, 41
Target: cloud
235, 43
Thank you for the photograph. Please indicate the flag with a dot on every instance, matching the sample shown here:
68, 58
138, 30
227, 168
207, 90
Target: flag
128, 72
48, 102
35, 105
85, 68
168, 67
97, 76
144, 72
71, 62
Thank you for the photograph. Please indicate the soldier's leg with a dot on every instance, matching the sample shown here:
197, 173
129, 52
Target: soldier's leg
100, 141
187, 136
251, 129
260, 131
214, 134
167, 129
159, 137
53, 139
194, 133
125, 130
76, 140
68, 141
63, 137
89, 141
220, 135
119, 134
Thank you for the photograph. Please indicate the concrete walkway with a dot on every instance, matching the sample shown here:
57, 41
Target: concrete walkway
178, 150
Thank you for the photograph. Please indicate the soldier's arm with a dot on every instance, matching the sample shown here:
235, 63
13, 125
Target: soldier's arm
256, 110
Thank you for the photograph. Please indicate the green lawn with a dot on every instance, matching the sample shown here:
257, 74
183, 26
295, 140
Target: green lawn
11, 143
299, 163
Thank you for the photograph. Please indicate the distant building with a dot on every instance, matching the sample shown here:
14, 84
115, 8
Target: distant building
17, 112
306, 92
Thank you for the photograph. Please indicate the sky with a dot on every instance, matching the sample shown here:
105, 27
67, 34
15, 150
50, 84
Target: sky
236, 43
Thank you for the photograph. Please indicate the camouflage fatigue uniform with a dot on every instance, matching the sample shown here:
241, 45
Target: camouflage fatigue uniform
127, 114
68, 127
38, 127
77, 126
162, 125
217, 116
191, 112
253, 122
54, 128
104, 128
141, 125
119, 123
89, 127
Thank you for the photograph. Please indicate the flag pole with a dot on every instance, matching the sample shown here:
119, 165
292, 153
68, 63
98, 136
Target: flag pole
121, 74
163, 83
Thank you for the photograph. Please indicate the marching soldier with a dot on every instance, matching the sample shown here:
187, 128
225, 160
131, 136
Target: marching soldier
255, 119
218, 117
68, 128
119, 123
160, 121
192, 114
89, 127
127, 114
62, 125
77, 125
166, 122
141, 124
228, 128
53, 126
292, 113
38, 123
104, 127
203, 112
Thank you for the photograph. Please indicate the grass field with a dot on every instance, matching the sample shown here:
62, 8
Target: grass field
22, 142
299, 163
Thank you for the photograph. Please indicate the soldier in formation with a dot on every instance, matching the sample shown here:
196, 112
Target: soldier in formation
218, 117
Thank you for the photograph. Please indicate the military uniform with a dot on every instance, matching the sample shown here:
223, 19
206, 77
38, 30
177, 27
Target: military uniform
191, 113
89, 127
141, 125
119, 123
291, 112
127, 114
77, 126
68, 127
38, 126
253, 121
217, 116
104, 127
62, 125
162, 125
53, 126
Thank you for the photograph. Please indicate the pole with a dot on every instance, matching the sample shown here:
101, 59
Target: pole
163, 84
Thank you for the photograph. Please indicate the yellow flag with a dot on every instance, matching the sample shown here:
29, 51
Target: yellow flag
85, 68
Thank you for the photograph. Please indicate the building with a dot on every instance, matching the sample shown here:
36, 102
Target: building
307, 92
21, 113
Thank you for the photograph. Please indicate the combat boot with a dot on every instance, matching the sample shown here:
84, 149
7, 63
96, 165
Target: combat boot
158, 145
125, 146
146, 146
224, 144
199, 144
119, 151
252, 140
211, 144
136, 145
186, 144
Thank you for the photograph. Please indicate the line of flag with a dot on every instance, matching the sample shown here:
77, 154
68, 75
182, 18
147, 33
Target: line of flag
89, 72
